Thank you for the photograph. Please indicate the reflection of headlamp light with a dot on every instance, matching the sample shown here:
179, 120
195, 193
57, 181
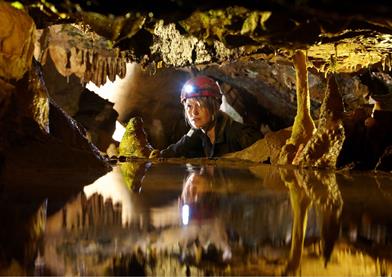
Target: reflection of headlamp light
185, 214
189, 89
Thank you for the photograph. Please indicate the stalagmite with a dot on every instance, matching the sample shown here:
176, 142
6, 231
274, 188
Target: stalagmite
324, 147
303, 127
134, 142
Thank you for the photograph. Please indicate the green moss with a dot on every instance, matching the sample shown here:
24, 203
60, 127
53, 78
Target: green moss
250, 23
133, 173
134, 142
17, 5
217, 24
211, 24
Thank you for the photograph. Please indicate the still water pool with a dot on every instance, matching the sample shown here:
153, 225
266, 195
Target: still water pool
200, 218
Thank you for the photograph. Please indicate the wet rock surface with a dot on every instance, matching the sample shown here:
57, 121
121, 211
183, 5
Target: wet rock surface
38, 134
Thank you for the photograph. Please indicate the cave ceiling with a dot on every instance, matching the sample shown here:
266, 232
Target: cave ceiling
339, 36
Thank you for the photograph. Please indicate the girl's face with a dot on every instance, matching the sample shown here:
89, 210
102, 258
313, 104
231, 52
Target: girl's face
198, 116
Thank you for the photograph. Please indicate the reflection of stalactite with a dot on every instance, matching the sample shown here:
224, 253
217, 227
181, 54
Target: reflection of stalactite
300, 203
99, 213
320, 189
84, 213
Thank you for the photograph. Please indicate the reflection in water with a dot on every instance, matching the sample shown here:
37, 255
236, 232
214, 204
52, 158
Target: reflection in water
111, 186
202, 225
20, 237
319, 188
168, 219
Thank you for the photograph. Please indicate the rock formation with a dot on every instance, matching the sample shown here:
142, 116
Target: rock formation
35, 133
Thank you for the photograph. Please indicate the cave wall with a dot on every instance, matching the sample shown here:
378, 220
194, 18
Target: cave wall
37, 138
262, 93
154, 96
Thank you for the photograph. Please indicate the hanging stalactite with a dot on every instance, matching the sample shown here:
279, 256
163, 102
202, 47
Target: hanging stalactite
90, 59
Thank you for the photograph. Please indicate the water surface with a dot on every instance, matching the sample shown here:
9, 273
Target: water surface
201, 218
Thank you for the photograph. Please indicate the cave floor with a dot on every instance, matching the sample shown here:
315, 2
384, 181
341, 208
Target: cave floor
199, 218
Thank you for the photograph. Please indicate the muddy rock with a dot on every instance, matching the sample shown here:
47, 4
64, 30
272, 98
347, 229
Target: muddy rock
265, 150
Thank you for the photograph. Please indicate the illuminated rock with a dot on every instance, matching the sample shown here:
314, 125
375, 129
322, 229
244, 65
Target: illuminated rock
134, 142
26, 100
35, 99
17, 42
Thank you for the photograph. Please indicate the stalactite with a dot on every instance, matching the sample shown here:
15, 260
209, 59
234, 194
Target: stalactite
87, 73
90, 61
98, 76
113, 69
122, 72
303, 127
109, 69
104, 71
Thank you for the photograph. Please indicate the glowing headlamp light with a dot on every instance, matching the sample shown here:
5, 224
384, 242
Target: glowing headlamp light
185, 213
189, 89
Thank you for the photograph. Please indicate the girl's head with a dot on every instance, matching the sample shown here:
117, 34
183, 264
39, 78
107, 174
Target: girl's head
201, 97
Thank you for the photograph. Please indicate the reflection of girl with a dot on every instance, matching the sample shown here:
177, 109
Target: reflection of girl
197, 214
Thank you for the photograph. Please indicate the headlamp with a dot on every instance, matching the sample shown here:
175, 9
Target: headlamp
185, 214
189, 88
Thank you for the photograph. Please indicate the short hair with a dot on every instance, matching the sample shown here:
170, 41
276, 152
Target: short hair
212, 104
